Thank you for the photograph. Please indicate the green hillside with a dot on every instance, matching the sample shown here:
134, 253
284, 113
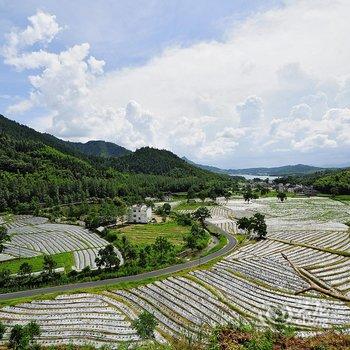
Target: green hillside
148, 160
328, 181
38, 170
99, 148
337, 182
22, 132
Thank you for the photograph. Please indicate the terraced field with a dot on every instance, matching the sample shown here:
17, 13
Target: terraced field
34, 236
143, 234
249, 283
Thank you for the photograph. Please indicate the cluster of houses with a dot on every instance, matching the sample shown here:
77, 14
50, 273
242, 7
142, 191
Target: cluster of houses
290, 188
300, 189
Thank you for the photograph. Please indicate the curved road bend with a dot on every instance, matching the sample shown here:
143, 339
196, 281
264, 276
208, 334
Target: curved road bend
156, 273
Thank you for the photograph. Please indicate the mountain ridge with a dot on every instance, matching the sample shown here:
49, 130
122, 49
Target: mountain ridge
296, 169
40, 170
100, 148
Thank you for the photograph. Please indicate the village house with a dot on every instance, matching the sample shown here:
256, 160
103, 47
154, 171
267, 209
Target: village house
139, 213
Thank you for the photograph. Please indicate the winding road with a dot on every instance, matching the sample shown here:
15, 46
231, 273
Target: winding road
231, 243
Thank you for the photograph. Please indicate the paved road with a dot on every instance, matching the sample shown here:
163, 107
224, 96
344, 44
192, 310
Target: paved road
156, 273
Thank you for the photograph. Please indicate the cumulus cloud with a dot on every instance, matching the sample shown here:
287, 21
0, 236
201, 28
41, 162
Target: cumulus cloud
188, 132
250, 111
64, 87
42, 28
314, 141
302, 110
270, 85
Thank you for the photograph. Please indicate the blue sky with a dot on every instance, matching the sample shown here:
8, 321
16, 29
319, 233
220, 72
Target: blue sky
123, 33
213, 80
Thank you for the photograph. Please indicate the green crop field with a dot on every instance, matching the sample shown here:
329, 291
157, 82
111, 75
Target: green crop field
63, 260
143, 234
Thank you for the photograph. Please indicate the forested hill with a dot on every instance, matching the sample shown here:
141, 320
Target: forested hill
149, 160
90, 148
41, 170
99, 148
24, 133
329, 181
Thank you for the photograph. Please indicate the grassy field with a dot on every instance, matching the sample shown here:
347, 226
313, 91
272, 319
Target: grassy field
345, 198
143, 234
274, 194
179, 196
63, 260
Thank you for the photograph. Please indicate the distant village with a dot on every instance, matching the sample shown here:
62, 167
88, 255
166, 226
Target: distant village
280, 187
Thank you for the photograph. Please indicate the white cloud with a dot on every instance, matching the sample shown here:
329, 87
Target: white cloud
302, 110
188, 132
43, 28
20, 107
250, 111
314, 141
232, 133
272, 84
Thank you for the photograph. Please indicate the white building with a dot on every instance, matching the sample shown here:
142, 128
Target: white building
139, 213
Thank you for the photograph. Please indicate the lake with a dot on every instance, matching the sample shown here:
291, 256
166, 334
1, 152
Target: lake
251, 177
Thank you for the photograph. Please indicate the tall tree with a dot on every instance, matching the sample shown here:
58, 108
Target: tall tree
197, 238
145, 325
248, 195
259, 225
22, 337
164, 251
107, 257
245, 224
49, 264
282, 196
2, 330
201, 214
25, 269
4, 237
255, 224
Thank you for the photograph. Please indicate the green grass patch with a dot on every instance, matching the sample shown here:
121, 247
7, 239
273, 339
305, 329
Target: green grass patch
271, 194
179, 196
63, 260
222, 242
344, 198
143, 234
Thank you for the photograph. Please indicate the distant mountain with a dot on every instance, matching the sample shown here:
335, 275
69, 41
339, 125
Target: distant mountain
100, 148
297, 169
278, 171
207, 167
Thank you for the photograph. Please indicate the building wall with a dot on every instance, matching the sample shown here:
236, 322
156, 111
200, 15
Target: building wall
140, 215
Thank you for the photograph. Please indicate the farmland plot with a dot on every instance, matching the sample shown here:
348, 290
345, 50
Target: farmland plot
76, 319
33, 236
249, 283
